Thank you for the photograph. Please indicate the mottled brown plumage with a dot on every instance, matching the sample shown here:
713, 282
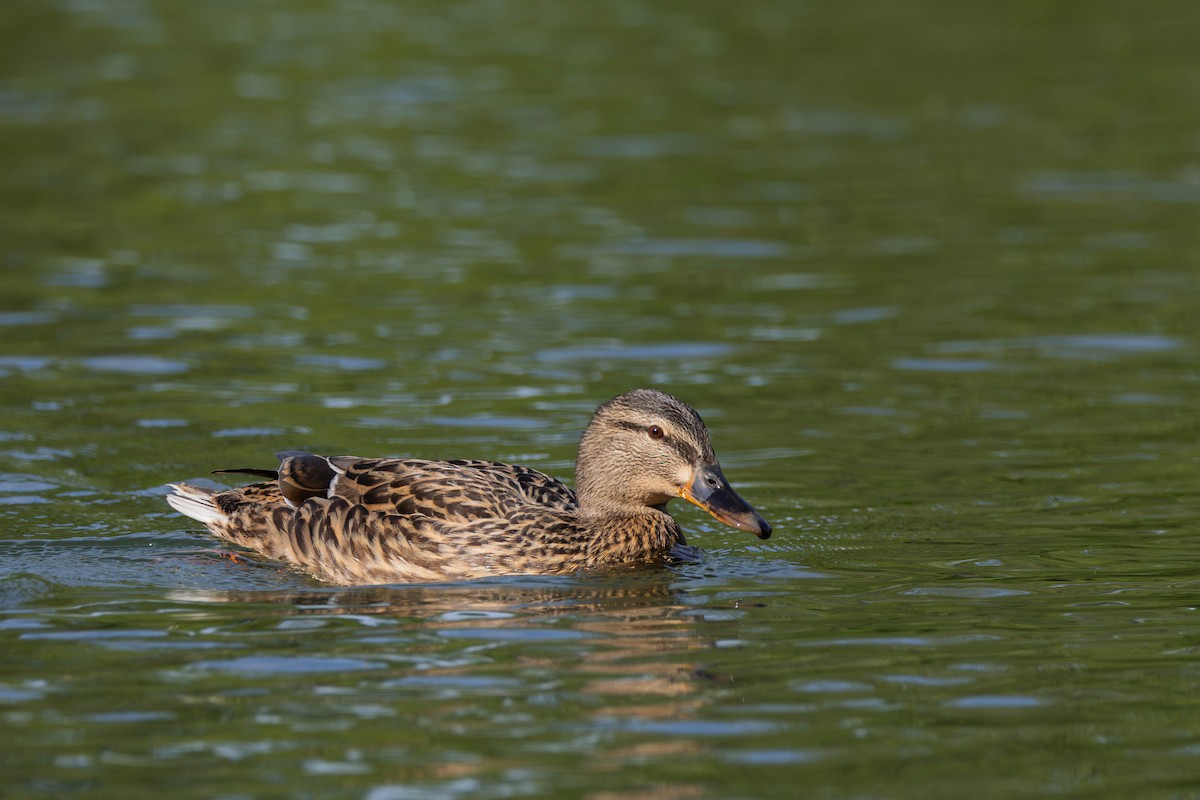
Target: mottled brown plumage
350, 520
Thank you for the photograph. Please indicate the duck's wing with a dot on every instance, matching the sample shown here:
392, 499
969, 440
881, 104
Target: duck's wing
358, 521
536, 487
345, 542
455, 491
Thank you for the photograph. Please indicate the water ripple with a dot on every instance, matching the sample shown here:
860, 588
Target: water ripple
1072, 346
943, 364
135, 365
18, 318
343, 363
1098, 185
774, 756
285, 665
647, 352
701, 248
23, 363
636, 146
996, 701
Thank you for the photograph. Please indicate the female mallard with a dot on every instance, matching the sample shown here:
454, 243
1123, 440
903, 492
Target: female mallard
352, 520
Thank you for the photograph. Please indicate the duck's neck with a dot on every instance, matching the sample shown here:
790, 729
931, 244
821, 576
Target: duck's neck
613, 509
606, 485
620, 536
599, 505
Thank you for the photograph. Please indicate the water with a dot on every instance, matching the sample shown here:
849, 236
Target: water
929, 271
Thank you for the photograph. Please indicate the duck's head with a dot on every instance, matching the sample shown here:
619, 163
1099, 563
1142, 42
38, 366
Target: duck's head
645, 448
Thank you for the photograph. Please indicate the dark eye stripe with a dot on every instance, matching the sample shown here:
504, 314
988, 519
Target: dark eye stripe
684, 449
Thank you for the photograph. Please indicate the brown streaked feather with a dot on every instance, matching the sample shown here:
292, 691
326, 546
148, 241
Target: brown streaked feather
421, 521
246, 511
449, 490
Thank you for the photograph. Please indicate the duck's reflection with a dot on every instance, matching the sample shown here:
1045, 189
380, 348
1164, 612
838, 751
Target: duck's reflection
629, 645
604, 660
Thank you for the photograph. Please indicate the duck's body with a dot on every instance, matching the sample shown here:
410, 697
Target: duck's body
349, 520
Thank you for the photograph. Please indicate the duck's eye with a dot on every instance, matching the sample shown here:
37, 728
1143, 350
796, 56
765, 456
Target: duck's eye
655, 432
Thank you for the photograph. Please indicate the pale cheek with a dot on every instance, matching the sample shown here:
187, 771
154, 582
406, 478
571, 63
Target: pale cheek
683, 477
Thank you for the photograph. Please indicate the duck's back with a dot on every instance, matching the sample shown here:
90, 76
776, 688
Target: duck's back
455, 491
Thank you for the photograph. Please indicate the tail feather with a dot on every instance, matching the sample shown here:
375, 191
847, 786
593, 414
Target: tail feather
261, 473
194, 502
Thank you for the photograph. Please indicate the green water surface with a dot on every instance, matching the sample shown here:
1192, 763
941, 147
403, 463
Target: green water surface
929, 270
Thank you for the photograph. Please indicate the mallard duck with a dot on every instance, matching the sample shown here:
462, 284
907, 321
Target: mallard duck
350, 520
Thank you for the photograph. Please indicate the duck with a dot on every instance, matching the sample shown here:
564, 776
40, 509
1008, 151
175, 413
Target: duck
348, 520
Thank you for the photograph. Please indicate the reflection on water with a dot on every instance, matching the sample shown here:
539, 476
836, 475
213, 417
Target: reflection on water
421, 662
1094, 185
619, 633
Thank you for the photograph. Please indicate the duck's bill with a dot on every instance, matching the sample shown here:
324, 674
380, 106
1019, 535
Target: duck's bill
711, 491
